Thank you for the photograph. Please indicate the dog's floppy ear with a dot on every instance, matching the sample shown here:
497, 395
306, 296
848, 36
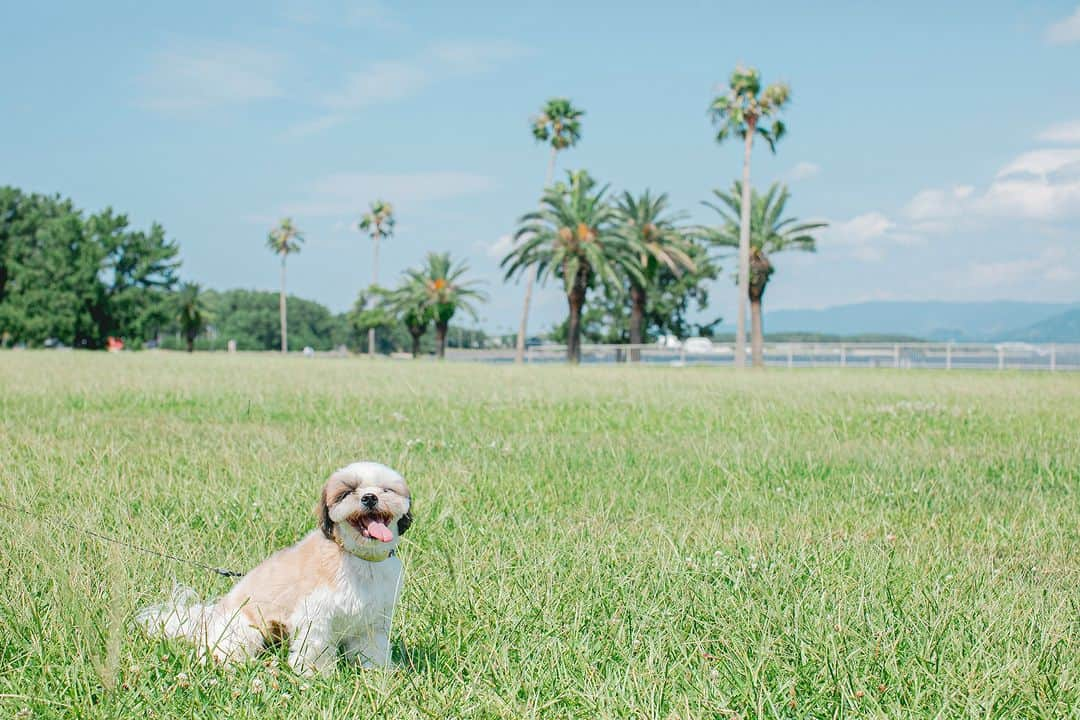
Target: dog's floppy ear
405, 520
322, 513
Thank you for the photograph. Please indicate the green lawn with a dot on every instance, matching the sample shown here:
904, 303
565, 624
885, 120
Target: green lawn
591, 542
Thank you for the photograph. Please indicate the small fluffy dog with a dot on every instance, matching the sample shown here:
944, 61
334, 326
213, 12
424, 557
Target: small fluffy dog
334, 591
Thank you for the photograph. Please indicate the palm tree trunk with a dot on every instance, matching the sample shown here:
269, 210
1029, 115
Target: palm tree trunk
573, 333
519, 353
374, 282
757, 341
415, 343
744, 252
576, 300
190, 343
440, 340
637, 320
282, 310
519, 349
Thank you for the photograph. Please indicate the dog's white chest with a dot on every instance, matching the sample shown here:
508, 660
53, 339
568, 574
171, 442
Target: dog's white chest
359, 604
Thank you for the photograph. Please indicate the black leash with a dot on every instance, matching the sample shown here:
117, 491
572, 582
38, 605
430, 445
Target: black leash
116, 541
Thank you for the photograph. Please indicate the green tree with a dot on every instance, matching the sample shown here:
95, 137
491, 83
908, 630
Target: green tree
770, 233
191, 314
138, 272
672, 299
658, 241
374, 310
379, 223
559, 125
50, 272
574, 234
284, 240
743, 111
252, 319
409, 302
441, 285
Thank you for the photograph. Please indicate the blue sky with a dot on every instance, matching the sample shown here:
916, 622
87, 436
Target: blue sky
941, 140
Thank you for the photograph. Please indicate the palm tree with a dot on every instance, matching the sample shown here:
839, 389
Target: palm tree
574, 234
379, 223
770, 233
741, 111
284, 240
191, 313
443, 292
657, 240
409, 302
558, 124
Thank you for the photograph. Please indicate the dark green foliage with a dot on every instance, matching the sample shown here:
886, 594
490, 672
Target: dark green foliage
374, 308
435, 292
250, 317
138, 271
78, 280
574, 236
671, 299
191, 314
559, 123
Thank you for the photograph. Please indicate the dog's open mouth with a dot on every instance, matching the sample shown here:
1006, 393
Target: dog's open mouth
372, 526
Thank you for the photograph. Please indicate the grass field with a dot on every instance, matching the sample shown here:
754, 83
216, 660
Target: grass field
590, 542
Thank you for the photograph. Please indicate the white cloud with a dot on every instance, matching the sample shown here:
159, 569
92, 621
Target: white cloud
372, 13
311, 127
390, 81
863, 227
803, 171
1032, 199
209, 75
1068, 132
935, 204
382, 82
497, 250
1041, 185
1048, 266
470, 58
1042, 163
1038, 185
864, 235
1066, 31
347, 194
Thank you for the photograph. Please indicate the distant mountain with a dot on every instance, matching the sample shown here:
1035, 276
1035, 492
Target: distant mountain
1064, 328
931, 320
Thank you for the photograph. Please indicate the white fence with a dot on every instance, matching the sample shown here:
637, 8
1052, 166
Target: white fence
940, 356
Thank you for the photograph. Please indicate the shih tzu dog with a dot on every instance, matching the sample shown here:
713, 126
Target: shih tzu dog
333, 592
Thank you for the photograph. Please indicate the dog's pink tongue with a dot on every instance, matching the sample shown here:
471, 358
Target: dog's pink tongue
379, 531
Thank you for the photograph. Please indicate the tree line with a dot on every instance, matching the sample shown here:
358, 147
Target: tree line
646, 267
634, 248
76, 279
82, 279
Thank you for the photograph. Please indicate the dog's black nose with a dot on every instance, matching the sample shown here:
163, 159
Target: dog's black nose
370, 500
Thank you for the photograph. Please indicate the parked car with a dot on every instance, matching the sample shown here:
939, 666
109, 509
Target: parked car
668, 342
698, 345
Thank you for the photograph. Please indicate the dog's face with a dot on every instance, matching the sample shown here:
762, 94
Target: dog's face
365, 507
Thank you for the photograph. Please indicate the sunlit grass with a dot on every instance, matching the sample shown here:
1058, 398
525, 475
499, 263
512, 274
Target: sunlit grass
589, 542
